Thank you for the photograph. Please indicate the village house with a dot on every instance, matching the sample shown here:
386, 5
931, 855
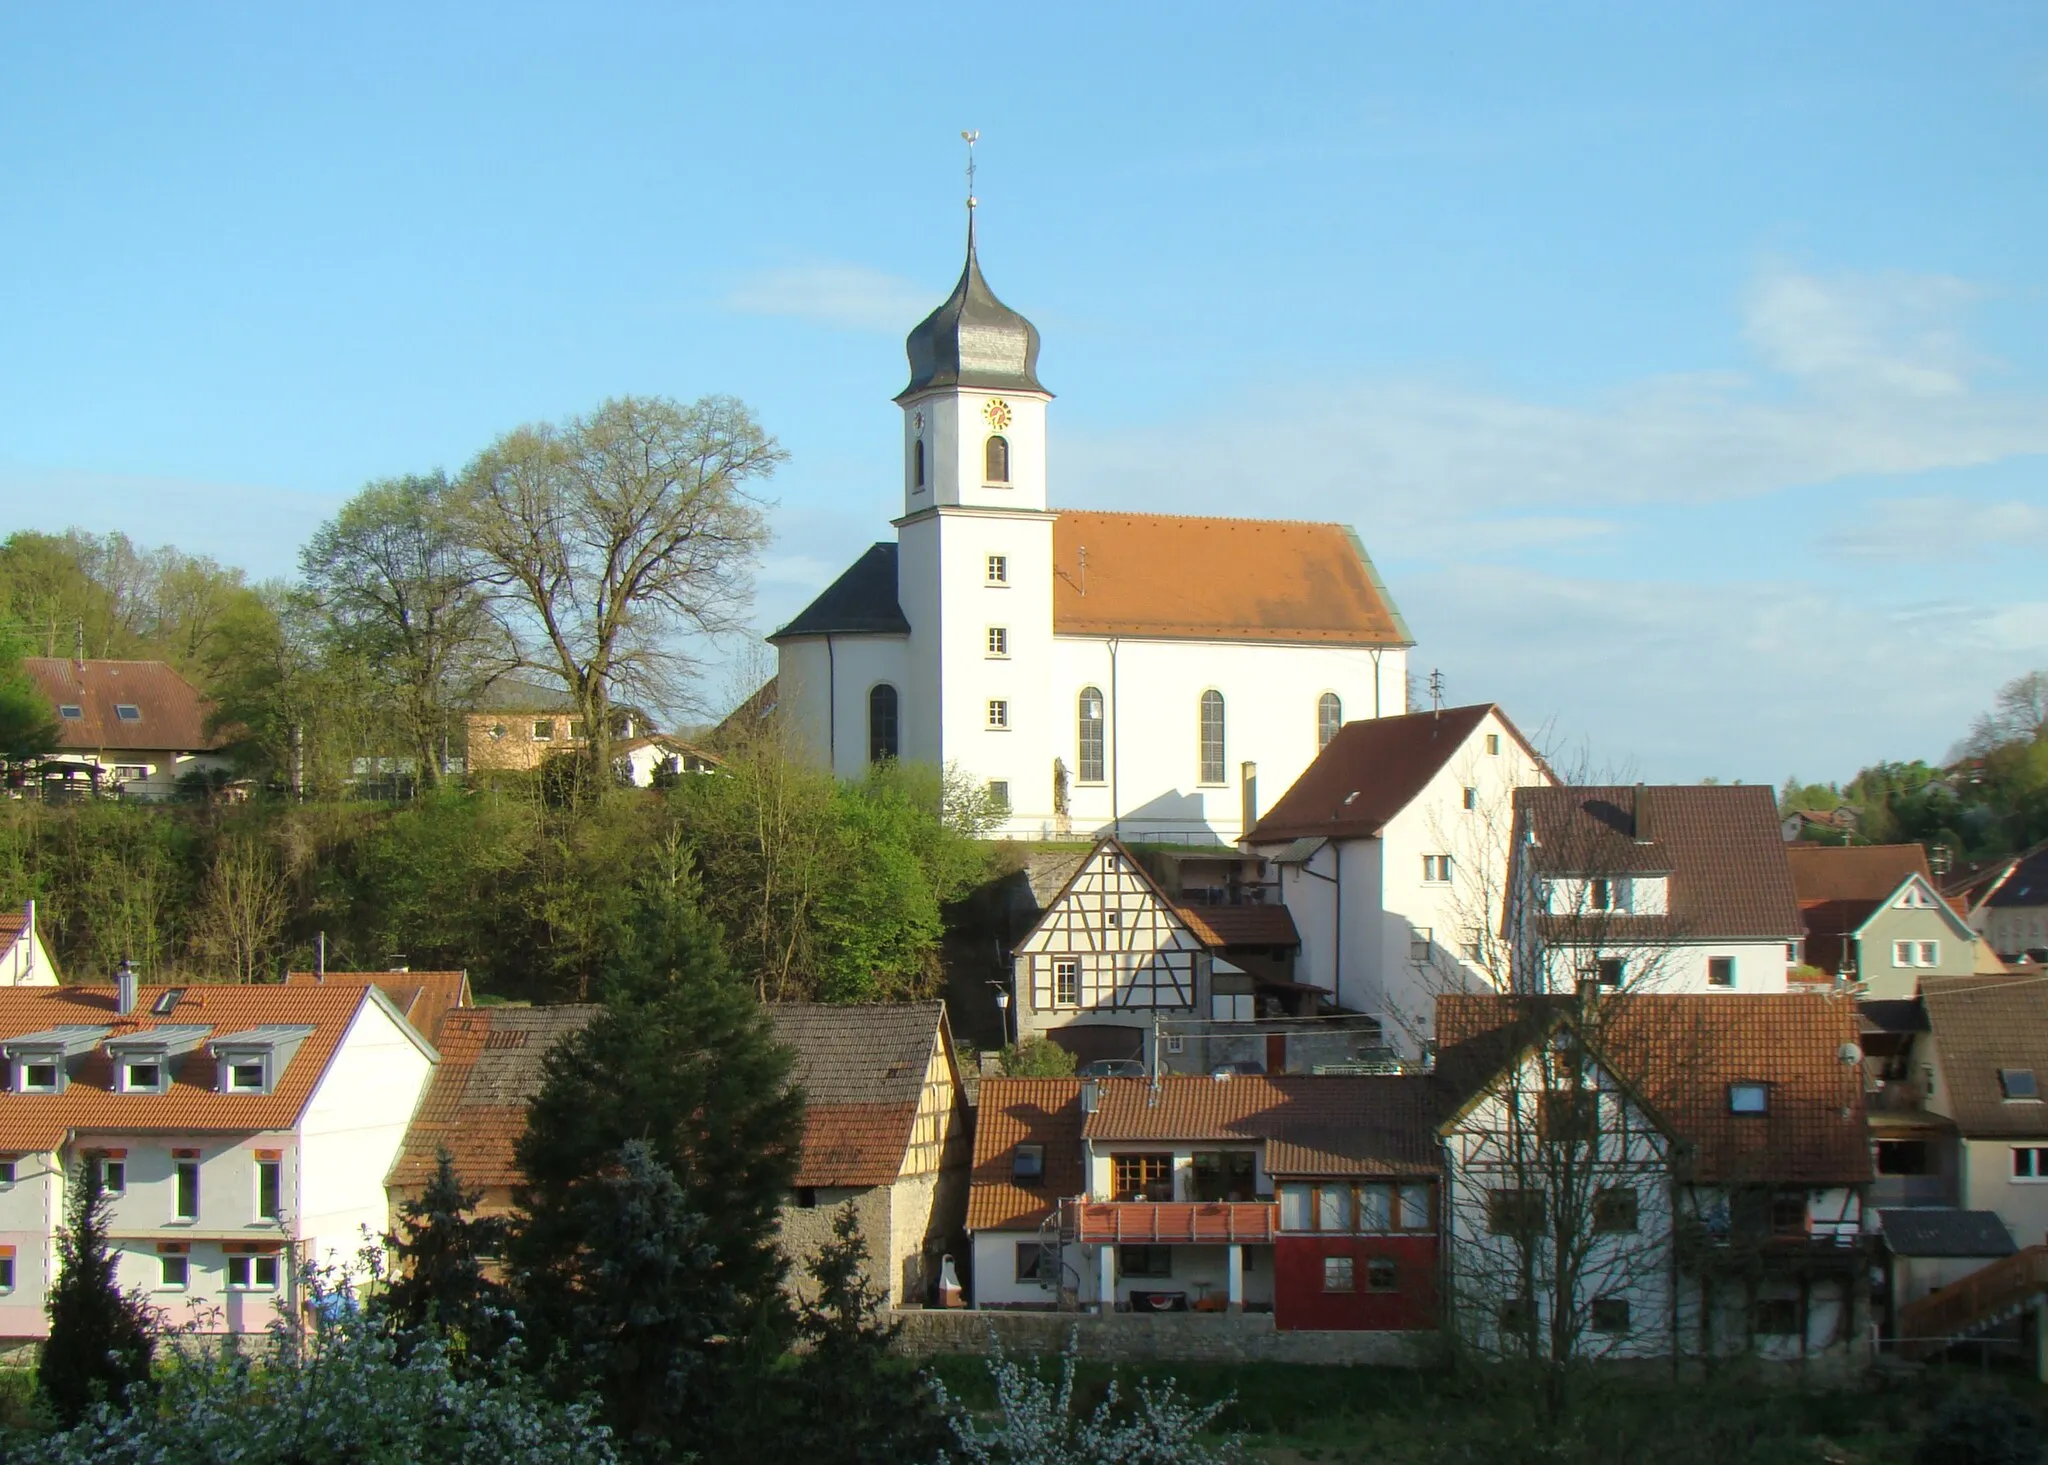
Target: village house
2007, 902
132, 727
422, 998
522, 724
644, 762
24, 960
1873, 916
1391, 853
1661, 888
240, 1131
1700, 1163
887, 1130
1116, 970
1313, 1198
1100, 672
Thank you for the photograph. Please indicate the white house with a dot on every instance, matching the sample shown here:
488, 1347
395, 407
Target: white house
1667, 888
1101, 672
240, 1131
132, 726
2010, 908
1392, 856
24, 960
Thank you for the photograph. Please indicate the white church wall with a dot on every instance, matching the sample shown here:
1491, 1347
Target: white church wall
1152, 757
817, 673
956, 430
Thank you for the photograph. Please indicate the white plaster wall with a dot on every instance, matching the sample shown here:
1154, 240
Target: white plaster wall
2013, 928
28, 1222
1152, 752
995, 1271
823, 684
27, 961
351, 1131
956, 432
1987, 1184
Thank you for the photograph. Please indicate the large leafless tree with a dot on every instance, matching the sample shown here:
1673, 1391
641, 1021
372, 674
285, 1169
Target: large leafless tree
612, 539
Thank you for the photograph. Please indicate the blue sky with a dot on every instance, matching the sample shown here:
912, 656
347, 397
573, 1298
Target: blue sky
1685, 369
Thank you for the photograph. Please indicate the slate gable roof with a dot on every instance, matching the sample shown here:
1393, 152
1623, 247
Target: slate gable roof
860, 602
1719, 843
1679, 1053
1386, 761
492, 1063
173, 713
39, 1123
862, 1070
1014, 1111
1945, 1231
1981, 1024
2027, 885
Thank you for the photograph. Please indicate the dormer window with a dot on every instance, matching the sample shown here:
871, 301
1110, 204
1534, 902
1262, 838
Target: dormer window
127, 712
145, 1077
39, 1077
246, 1077
255, 1059
71, 712
2018, 1083
996, 460
1749, 1098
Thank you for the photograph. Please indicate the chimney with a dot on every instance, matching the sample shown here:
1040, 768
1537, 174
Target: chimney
125, 985
1642, 812
28, 941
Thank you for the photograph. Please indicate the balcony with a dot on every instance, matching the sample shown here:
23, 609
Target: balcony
1169, 1223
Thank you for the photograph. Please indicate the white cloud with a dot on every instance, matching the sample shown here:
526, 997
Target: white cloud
1906, 528
846, 295
1886, 332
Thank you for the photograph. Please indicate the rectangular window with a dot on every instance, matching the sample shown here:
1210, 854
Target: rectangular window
1436, 869
1471, 798
1143, 1177
113, 1176
1930, 953
1904, 1157
2018, 1083
1614, 1209
1294, 1208
6, 1274
998, 569
246, 1078
1381, 1275
998, 641
1144, 1261
1210, 735
269, 1189
39, 1078
1224, 1175
1609, 970
1339, 1274
1610, 1314
1568, 1116
998, 712
1027, 1164
1788, 1213
142, 1078
71, 712
252, 1273
1028, 1256
1749, 1098
1902, 953
1066, 982
1515, 1212
127, 712
1599, 895
1376, 1208
6, 1173
1493, 745
177, 1271
1415, 1208
2030, 1162
1333, 1208
999, 795
544, 731
1720, 971
576, 734
188, 1190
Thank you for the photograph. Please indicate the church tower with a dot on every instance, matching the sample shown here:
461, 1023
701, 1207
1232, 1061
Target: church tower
974, 567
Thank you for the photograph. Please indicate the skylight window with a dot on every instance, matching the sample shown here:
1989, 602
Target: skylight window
2018, 1083
71, 712
1029, 1164
166, 1001
1749, 1098
127, 712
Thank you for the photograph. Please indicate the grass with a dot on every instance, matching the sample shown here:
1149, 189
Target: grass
1297, 1415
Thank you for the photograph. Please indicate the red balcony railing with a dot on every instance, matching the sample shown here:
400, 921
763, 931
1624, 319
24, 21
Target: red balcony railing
1182, 1223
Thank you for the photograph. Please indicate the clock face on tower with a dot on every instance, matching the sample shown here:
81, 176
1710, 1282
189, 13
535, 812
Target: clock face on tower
997, 411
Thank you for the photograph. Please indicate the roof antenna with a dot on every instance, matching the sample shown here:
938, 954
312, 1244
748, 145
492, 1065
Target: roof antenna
78, 626
1084, 572
320, 960
1436, 692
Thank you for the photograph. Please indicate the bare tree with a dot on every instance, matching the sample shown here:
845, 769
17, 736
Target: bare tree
611, 536
2019, 714
242, 910
403, 593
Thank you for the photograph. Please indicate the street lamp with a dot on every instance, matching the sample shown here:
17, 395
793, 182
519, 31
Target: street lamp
1003, 1008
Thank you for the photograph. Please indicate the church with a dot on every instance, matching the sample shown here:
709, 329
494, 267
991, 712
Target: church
1100, 672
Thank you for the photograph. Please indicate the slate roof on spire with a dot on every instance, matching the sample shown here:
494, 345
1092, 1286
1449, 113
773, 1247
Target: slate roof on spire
973, 340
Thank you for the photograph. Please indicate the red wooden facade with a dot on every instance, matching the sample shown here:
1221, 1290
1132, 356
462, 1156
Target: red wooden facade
1307, 1294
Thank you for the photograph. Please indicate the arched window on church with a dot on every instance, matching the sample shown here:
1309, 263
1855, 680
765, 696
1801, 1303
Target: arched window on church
1212, 736
1329, 717
917, 461
883, 743
996, 460
1090, 730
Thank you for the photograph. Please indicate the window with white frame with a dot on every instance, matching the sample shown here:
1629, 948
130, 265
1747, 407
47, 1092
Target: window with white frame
245, 1075
1436, 869
39, 1076
1493, 745
1066, 982
112, 1169
269, 1187
998, 714
1329, 719
174, 1271
1471, 798
142, 1076
186, 1169
999, 795
1211, 737
252, 1273
6, 1269
1930, 953
998, 569
998, 640
1720, 971
2030, 1162
1089, 735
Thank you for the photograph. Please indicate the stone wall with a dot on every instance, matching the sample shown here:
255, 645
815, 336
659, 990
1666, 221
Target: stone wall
1183, 1337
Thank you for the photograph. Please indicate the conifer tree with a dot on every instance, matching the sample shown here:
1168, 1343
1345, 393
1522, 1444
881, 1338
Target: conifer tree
101, 1341
439, 1284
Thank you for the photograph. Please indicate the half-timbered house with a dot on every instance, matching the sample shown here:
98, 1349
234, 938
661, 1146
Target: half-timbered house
1113, 958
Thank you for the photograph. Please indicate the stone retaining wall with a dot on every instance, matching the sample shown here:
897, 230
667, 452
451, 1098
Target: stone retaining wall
1164, 1337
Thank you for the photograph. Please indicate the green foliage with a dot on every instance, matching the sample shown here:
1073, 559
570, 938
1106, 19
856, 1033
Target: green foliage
333, 1391
1037, 1058
101, 1344
439, 1285
849, 1402
27, 730
672, 1106
1980, 1428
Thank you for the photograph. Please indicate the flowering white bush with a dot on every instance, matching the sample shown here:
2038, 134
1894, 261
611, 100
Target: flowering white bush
1039, 1427
333, 1390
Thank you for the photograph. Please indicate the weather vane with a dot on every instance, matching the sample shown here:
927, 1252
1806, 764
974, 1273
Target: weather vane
970, 138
